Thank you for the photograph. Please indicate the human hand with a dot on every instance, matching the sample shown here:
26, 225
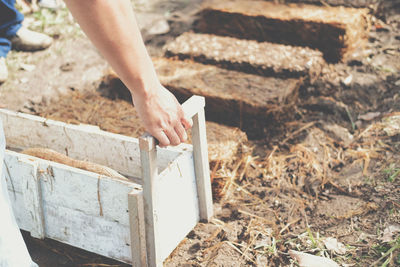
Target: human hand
162, 116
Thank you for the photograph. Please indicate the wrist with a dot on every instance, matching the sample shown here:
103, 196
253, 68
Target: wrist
142, 82
144, 87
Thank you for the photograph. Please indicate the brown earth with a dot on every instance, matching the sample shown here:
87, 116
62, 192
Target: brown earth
332, 171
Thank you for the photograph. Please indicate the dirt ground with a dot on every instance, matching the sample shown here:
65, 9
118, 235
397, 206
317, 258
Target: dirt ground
326, 183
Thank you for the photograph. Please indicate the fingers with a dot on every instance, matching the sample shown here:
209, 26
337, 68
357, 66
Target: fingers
176, 134
187, 123
173, 137
170, 126
162, 138
180, 130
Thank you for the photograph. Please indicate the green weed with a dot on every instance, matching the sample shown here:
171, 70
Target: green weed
392, 172
387, 252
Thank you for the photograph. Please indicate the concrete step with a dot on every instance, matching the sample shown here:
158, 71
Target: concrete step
346, 3
336, 31
266, 59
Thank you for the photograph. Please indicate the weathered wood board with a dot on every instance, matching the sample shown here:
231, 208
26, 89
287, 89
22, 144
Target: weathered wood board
82, 142
262, 58
91, 211
97, 213
80, 208
336, 31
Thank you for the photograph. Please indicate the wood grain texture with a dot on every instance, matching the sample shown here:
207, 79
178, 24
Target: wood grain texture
137, 229
72, 210
32, 193
91, 211
148, 156
80, 142
202, 167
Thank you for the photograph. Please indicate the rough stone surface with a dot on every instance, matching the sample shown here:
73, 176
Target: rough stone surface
336, 31
249, 56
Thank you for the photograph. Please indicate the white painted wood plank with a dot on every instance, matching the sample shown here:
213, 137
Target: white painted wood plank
202, 167
14, 185
75, 217
148, 156
137, 229
193, 105
76, 189
95, 234
177, 203
177, 206
79, 141
91, 233
32, 193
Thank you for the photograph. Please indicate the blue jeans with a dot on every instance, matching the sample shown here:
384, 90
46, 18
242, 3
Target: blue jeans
10, 22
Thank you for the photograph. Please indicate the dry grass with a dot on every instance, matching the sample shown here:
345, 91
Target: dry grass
296, 177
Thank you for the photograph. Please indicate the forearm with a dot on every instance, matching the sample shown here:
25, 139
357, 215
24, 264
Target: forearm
112, 27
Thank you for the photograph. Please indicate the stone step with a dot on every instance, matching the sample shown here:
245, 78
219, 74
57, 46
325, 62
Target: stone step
262, 58
336, 31
346, 3
238, 99
377, 7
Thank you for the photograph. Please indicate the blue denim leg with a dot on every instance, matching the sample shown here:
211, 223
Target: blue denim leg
5, 46
10, 22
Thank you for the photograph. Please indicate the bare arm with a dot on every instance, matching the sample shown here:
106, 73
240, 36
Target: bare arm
112, 27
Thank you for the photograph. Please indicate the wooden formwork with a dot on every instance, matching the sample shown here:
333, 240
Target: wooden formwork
138, 220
